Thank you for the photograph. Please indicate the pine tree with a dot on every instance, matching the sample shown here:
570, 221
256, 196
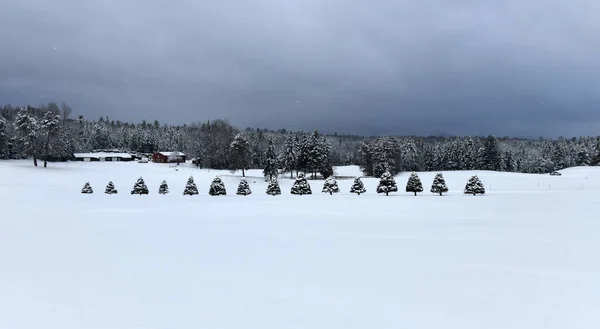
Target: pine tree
273, 188
301, 185
330, 186
140, 187
3, 139
358, 187
190, 187
387, 184
240, 154
271, 164
243, 188
87, 188
474, 186
289, 155
110, 188
27, 128
324, 165
490, 155
164, 188
414, 184
51, 130
217, 187
439, 184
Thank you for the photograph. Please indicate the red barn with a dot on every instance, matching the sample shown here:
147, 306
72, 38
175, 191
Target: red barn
165, 157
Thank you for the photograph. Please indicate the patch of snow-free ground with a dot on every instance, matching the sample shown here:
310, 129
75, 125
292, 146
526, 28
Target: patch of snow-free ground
525, 255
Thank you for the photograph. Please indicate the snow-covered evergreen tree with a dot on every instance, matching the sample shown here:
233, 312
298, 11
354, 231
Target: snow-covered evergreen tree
87, 188
490, 155
3, 139
330, 186
273, 187
271, 164
50, 129
27, 128
110, 188
217, 187
140, 187
240, 154
190, 187
301, 185
414, 184
289, 155
474, 186
439, 184
357, 186
387, 184
324, 164
243, 188
164, 188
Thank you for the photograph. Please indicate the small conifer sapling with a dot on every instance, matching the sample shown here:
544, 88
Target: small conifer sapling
217, 187
140, 187
243, 188
474, 186
301, 185
387, 184
439, 184
273, 187
330, 186
110, 188
190, 187
414, 184
164, 188
87, 188
357, 186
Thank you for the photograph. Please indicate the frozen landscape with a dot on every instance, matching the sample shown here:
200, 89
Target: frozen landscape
524, 255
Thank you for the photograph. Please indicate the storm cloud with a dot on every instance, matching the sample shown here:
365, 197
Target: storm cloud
520, 68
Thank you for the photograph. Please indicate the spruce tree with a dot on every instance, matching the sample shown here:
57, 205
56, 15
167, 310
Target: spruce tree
330, 186
357, 186
301, 185
273, 188
140, 187
110, 188
164, 188
387, 184
289, 155
243, 188
3, 139
474, 186
271, 164
414, 184
217, 187
190, 187
439, 184
87, 188
51, 131
27, 129
240, 155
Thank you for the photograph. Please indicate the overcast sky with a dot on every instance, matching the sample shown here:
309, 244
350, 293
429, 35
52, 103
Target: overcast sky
510, 67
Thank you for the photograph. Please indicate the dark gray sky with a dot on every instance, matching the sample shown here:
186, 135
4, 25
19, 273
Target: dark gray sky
511, 67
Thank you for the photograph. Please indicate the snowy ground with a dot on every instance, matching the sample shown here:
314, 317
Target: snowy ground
525, 255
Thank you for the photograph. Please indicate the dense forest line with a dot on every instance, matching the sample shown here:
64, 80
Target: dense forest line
50, 133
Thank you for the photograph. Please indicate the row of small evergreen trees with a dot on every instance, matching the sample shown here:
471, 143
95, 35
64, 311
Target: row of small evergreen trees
386, 185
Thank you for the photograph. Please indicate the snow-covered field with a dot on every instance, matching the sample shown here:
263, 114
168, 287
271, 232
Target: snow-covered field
525, 255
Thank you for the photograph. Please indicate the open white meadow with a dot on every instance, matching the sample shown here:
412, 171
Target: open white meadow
525, 255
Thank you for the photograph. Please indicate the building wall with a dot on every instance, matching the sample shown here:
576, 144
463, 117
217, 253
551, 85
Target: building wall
159, 158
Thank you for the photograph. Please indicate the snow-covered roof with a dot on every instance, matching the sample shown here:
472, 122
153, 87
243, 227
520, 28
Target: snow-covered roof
167, 154
102, 155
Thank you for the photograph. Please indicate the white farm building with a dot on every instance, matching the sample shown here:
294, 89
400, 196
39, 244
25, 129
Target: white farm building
103, 156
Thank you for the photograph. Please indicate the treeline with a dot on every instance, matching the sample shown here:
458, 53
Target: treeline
48, 132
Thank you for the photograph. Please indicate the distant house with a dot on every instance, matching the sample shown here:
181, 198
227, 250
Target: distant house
165, 157
102, 156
